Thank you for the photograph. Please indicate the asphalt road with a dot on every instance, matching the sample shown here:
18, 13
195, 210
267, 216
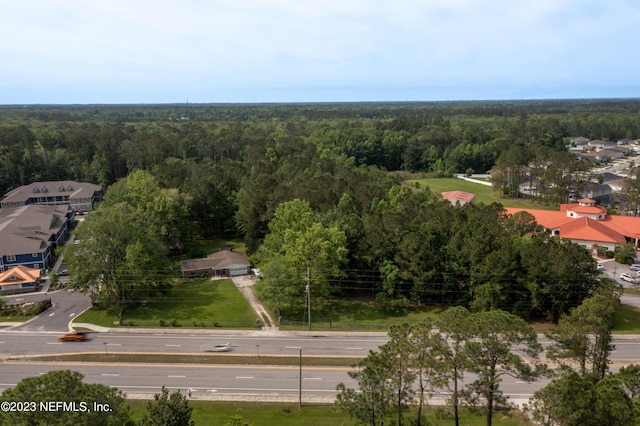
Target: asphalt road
66, 305
25, 343
204, 379
244, 382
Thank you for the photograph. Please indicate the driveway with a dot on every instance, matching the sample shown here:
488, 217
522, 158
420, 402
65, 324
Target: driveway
245, 284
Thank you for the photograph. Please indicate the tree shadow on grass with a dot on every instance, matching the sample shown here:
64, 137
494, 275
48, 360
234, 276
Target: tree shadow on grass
371, 311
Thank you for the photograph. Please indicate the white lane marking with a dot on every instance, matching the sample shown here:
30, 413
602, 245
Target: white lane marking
111, 374
354, 349
244, 377
54, 343
175, 377
312, 378
176, 346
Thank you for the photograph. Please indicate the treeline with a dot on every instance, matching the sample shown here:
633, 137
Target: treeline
410, 246
104, 143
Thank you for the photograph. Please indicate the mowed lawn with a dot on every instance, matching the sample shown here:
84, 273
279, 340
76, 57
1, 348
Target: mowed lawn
196, 302
484, 194
285, 414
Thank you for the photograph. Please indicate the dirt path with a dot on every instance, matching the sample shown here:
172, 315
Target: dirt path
245, 285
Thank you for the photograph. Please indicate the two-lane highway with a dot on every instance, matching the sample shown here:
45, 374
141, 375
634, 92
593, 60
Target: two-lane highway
21, 343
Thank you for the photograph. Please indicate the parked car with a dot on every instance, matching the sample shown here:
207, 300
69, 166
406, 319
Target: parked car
73, 336
635, 267
600, 267
628, 278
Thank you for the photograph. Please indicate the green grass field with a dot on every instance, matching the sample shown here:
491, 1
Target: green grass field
287, 414
356, 315
627, 320
14, 318
191, 303
484, 194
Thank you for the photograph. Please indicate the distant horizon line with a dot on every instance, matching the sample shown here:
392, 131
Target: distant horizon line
187, 103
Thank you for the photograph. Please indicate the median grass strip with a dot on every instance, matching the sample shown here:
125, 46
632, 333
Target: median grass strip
153, 358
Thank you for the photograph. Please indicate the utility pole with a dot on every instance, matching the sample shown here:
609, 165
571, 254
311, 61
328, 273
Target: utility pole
300, 386
309, 298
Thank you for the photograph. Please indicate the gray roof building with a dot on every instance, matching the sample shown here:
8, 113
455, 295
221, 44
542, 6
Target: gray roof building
224, 263
29, 234
81, 196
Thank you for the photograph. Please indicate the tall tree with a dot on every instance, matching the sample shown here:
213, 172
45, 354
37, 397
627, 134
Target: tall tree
398, 352
429, 351
300, 255
579, 400
454, 330
65, 386
497, 339
374, 401
584, 336
568, 400
164, 209
168, 409
118, 259
559, 274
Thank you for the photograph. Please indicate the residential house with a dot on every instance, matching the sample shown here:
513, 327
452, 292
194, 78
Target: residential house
609, 177
601, 193
461, 197
81, 196
588, 224
224, 263
602, 156
579, 142
19, 279
30, 234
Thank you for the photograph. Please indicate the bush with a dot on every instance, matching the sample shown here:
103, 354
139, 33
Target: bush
174, 323
162, 323
26, 309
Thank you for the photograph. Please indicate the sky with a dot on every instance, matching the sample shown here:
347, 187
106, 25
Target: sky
250, 51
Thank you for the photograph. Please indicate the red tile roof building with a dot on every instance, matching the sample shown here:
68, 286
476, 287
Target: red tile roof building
587, 224
459, 197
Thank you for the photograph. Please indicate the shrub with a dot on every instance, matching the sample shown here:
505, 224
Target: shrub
174, 323
162, 323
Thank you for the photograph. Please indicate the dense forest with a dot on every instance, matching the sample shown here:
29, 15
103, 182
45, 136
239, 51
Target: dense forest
236, 164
